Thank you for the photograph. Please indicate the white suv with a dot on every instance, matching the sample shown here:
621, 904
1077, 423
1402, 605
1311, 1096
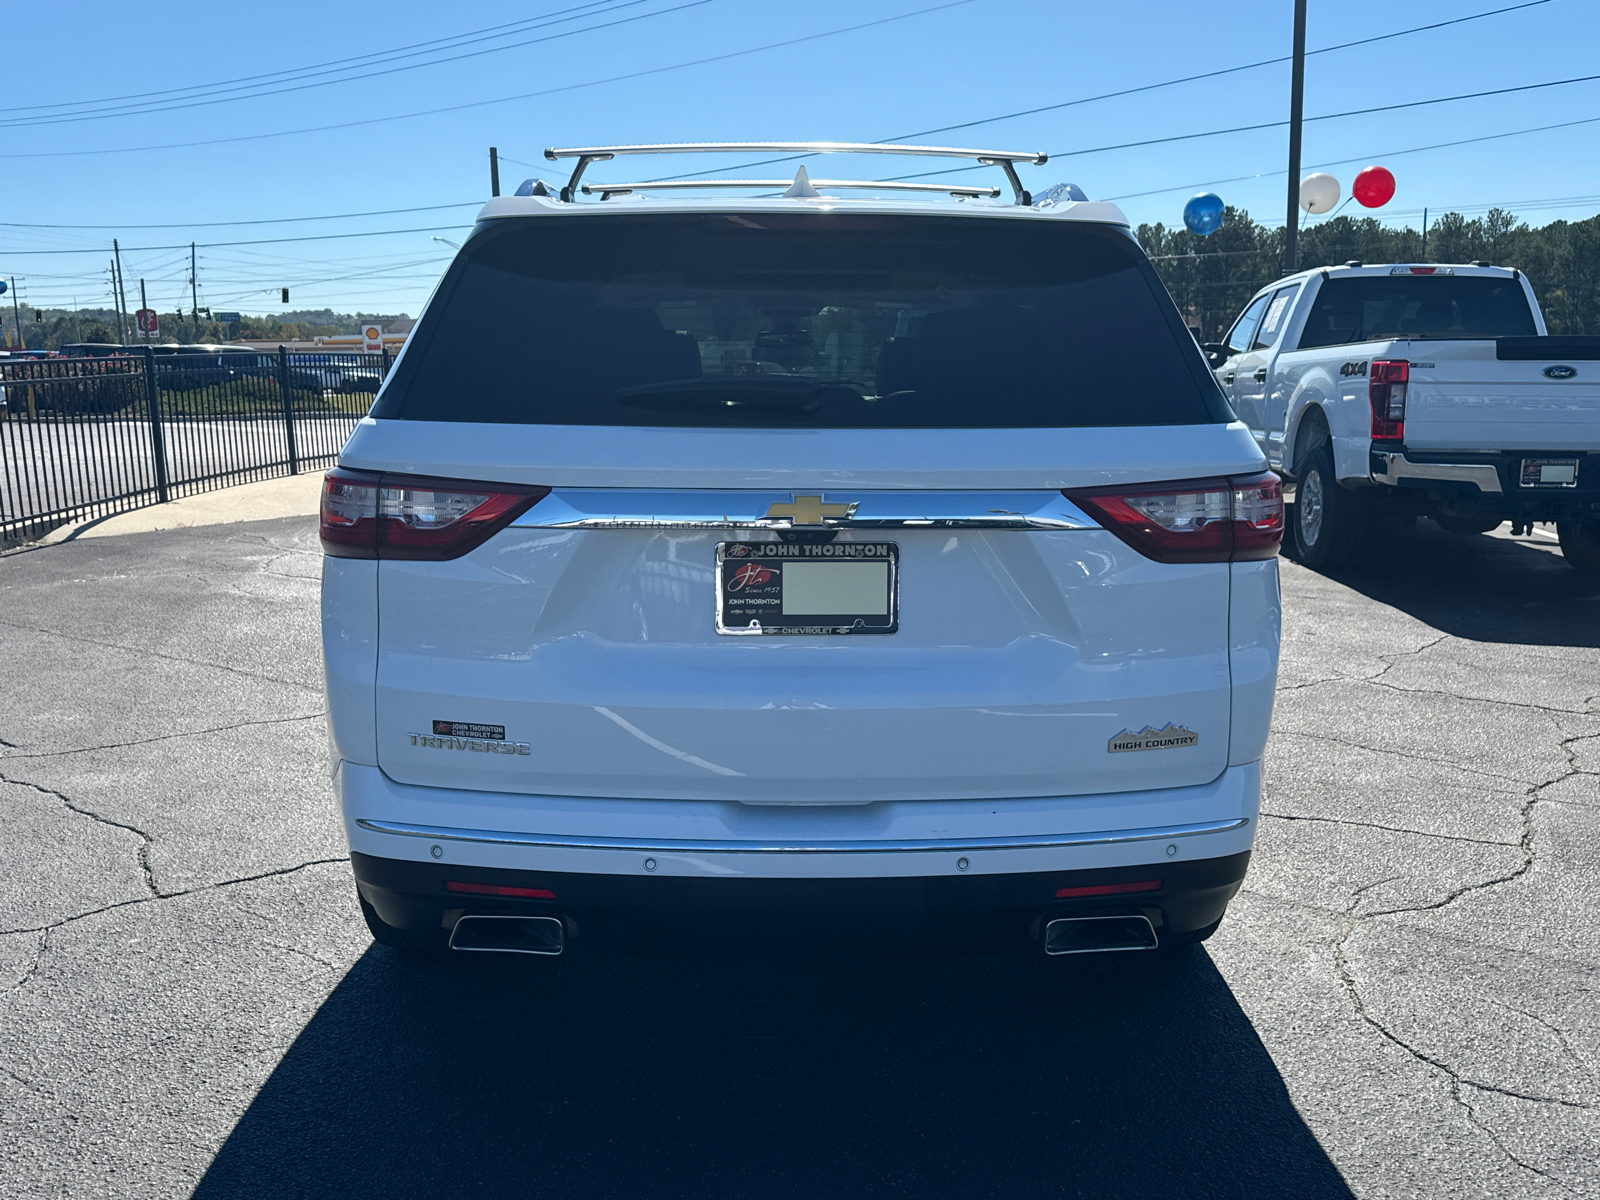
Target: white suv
799, 563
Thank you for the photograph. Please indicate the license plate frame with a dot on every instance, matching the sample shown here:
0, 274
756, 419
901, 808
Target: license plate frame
1532, 472
752, 602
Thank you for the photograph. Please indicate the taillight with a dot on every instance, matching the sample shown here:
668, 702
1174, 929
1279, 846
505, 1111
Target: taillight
349, 514
1193, 520
368, 515
1387, 380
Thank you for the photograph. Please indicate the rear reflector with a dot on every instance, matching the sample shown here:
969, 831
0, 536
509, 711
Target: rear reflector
1193, 520
1109, 889
371, 515
497, 889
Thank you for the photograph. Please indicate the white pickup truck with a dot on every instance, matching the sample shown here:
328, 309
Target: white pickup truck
1384, 393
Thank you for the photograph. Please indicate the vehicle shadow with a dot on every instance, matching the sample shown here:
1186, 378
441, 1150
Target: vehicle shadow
1486, 587
1106, 1076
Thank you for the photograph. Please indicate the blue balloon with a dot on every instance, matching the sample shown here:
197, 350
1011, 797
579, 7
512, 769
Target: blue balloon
1203, 214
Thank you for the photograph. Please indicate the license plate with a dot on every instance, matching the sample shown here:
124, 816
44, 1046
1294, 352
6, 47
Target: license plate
807, 588
1549, 472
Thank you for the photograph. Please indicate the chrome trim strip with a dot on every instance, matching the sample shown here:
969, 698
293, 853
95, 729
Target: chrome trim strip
1044, 841
1396, 466
625, 508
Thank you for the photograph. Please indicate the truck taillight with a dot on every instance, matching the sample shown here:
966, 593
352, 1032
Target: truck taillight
371, 515
1193, 520
1387, 380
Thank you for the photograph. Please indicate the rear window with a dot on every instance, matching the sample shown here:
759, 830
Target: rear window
1364, 307
788, 319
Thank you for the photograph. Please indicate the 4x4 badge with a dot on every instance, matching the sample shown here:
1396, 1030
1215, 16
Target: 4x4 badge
1166, 738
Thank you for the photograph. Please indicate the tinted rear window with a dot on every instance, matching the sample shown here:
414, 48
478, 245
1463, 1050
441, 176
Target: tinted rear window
785, 320
1364, 307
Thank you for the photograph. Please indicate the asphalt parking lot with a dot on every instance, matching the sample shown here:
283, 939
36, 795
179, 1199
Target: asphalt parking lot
1402, 1002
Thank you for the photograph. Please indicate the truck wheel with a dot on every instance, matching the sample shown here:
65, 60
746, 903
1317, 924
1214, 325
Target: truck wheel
1328, 521
1580, 545
1467, 525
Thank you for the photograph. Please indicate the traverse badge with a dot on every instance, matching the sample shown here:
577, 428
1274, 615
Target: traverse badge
1167, 738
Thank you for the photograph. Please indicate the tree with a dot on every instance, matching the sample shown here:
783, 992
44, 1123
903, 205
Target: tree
1211, 279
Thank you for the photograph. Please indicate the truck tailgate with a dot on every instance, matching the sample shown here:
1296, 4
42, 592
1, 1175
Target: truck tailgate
1463, 396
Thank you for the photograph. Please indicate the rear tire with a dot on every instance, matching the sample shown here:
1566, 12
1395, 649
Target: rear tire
1328, 522
411, 943
1580, 545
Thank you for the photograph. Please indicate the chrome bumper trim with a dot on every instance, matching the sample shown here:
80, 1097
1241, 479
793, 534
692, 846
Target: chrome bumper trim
1108, 837
623, 508
1397, 466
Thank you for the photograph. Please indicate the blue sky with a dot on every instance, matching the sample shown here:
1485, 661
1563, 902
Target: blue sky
957, 63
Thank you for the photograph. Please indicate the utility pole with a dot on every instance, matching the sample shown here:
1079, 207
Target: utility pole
16, 315
122, 296
1297, 91
494, 171
1424, 235
143, 304
194, 292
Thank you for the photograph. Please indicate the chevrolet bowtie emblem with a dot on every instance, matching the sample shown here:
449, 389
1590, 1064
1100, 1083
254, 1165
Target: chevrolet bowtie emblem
810, 510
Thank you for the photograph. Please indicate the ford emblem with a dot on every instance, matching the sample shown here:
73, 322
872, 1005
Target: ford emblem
1561, 372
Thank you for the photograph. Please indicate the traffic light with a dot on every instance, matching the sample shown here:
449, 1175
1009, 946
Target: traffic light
286, 295
38, 317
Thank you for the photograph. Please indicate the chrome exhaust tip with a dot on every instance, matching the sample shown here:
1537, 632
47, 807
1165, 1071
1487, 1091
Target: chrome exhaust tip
1099, 935
499, 934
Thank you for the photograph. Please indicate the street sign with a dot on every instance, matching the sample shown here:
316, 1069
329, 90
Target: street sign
149, 322
228, 318
372, 339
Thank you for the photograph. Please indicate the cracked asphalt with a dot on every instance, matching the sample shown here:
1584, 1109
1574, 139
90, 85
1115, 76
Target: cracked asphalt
1402, 1001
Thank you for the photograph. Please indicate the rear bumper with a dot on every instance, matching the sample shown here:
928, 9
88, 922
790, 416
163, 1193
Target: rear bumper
1491, 482
635, 911
621, 865
725, 839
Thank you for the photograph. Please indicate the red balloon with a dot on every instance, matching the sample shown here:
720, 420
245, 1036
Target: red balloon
1373, 187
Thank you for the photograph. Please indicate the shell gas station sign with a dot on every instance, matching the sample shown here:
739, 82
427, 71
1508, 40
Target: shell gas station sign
372, 339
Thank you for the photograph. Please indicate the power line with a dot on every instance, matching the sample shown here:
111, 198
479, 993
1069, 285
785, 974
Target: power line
392, 52
1265, 62
1354, 112
429, 112
380, 212
320, 237
137, 110
1147, 87
1489, 137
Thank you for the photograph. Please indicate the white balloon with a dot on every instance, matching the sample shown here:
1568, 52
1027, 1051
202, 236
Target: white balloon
1319, 192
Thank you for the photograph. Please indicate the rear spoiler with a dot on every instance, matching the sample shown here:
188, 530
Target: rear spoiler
1580, 346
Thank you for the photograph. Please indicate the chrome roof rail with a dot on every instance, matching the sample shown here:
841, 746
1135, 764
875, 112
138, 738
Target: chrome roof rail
1006, 160
607, 190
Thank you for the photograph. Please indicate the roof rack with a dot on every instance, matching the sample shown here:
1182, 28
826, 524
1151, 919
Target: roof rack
1006, 160
608, 190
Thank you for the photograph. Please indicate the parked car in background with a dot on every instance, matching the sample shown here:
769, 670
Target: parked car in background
1393, 391
95, 350
346, 373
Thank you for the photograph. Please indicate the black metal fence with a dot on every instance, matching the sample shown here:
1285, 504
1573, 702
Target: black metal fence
86, 437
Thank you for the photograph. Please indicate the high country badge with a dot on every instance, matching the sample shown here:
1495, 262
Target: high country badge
1169, 737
